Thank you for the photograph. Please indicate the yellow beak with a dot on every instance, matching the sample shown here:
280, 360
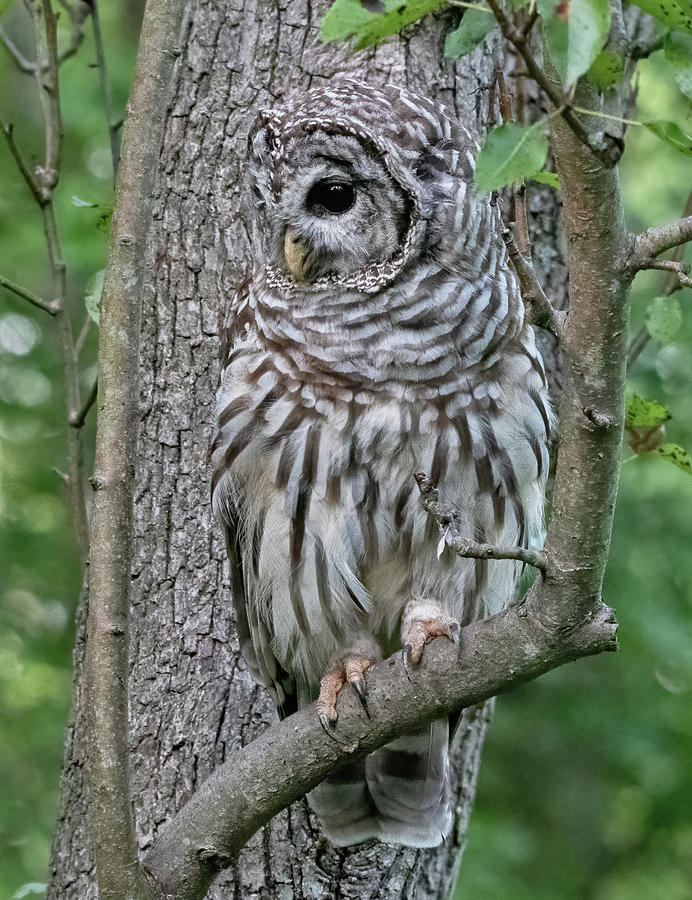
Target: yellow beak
295, 252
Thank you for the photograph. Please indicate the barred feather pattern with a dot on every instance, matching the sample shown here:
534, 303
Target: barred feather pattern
334, 392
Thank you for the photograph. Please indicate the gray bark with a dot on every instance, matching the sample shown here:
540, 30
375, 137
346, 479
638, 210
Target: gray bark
192, 700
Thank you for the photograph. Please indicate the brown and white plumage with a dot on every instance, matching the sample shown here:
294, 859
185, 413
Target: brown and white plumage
370, 343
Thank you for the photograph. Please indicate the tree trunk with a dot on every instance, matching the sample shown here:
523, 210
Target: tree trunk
192, 700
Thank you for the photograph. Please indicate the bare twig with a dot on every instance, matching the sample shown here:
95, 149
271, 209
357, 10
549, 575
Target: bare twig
113, 122
78, 12
680, 270
608, 154
672, 284
28, 295
83, 335
654, 241
539, 309
22, 63
24, 169
78, 420
447, 520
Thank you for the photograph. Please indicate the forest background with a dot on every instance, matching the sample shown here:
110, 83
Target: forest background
586, 786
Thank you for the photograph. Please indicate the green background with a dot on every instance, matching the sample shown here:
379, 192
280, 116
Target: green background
586, 786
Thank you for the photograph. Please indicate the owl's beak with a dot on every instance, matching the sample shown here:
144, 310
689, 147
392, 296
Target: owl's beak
295, 254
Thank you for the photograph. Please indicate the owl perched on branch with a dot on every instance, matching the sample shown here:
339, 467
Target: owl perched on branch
382, 333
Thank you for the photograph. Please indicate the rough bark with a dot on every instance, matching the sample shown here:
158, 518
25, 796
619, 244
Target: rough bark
192, 701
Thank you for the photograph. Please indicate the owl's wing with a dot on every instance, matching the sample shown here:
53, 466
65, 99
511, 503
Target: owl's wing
254, 636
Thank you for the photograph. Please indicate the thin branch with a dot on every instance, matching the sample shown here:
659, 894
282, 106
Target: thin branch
680, 270
654, 241
296, 754
518, 38
24, 169
672, 284
113, 122
539, 309
77, 421
83, 335
46, 31
447, 520
78, 13
22, 63
26, 294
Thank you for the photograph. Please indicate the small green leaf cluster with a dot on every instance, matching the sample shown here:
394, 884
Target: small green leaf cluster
645, 423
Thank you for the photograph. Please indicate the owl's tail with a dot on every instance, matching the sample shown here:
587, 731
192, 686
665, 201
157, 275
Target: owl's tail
399, 794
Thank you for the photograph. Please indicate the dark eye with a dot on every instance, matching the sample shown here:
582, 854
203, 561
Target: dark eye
331, 196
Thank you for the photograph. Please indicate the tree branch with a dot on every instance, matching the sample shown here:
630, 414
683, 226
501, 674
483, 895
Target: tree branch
113, 122
654, 241
540, 311
447, 520
106, 662
24, 170
28, 295
672, 284
608, 154
296, 754
77, 421
22, 63
77, 12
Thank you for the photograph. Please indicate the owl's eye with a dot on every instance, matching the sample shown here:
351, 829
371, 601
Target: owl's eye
331, 196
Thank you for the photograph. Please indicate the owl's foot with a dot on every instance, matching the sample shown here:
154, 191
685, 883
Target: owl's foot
349, 669
424, 620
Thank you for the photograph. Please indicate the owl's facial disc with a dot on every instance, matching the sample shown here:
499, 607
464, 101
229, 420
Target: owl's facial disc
331, 196
338, 210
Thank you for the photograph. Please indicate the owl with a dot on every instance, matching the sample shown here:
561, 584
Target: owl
381, 333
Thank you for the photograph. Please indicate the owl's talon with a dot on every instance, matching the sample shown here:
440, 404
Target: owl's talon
362, 691
417, 632
350, 669
405, 655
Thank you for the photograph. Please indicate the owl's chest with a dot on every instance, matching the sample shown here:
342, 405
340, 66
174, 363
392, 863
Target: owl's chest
346, 447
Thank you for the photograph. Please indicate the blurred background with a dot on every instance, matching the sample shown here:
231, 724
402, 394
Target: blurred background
586, 786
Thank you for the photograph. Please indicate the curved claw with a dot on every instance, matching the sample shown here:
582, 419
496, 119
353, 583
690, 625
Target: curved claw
362, 691
328, 725
406, 651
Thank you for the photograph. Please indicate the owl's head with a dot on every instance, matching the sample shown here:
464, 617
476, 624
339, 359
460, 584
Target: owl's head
349, 185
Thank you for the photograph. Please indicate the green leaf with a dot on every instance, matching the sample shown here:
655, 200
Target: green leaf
92, 298
510, 152
31, 887
77, 201
664, 319
475, 25
676, 14
676, 455
641, 413
672, 134
369, 21
546, 177
678, 51
607, 69
575, 31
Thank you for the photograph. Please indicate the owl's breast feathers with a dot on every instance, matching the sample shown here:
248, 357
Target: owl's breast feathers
314, 481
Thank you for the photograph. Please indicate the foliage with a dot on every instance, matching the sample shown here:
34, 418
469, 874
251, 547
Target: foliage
510, 153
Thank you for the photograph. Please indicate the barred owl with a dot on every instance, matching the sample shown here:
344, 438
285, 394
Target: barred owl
381, 333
